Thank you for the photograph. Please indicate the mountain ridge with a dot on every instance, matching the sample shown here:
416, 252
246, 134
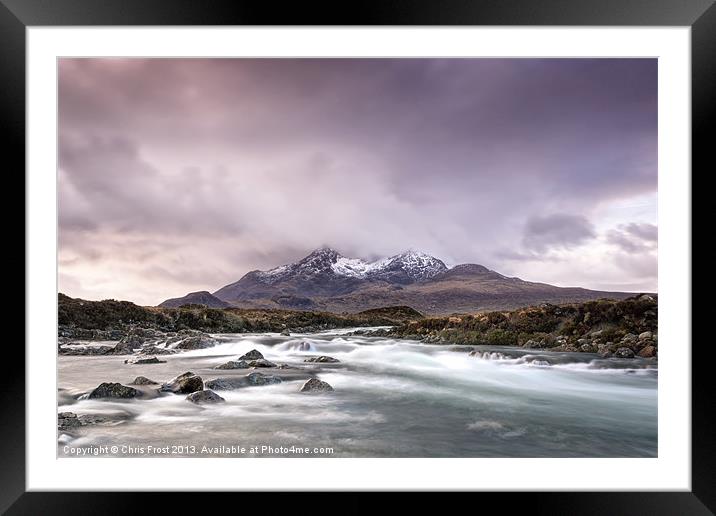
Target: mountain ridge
327, 280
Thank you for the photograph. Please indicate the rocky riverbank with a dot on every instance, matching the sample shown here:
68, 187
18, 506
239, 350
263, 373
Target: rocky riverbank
623, 329
112, 320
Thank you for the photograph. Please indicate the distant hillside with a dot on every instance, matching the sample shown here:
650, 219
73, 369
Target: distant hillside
79, 318
196, 298
327, 281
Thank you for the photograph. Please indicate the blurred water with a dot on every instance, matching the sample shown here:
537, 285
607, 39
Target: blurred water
392, 399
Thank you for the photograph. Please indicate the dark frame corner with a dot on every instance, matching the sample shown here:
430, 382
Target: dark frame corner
700, 15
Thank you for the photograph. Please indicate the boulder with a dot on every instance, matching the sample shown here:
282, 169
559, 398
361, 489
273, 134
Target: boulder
233, 364
251, 355
261, 362
645, 335
154, 350
200, 397
586, 347
183, 384
113, 390
66, 420
316, 385
648, 352
124, 347
285, 333
230, 383
143, 380
624, 352
322, 360
144, 360
262, 379
196, 342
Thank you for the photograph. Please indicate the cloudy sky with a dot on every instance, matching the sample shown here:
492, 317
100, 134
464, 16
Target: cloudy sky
177, 175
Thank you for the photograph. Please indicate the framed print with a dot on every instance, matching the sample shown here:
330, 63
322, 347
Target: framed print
418, 250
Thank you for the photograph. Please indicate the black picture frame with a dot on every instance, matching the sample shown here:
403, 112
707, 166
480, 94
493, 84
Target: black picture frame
700, 15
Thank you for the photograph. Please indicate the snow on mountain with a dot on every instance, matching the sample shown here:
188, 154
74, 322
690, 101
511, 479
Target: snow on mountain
413, 265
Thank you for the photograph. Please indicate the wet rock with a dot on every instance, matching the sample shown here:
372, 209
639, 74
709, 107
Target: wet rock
587, 347
143, 380
183, 384
196, 342
285, 333
262, 362
648, 352
322, 360
624, 352
155, 350
645, 335
123, 347
262, 379
86, 350
233, 364
251, 355
144, 360
605, 349
67, 420
113, 390
230, 383
200, 397
316, 385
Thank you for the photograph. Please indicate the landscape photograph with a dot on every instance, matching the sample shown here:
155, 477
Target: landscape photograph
357, 257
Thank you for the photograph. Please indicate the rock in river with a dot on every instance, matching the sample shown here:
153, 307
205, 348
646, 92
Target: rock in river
252, 355
233, 364
624, 353
261, 362
205, 397
113, 390
143, 380
67, 420
322, 360
144, 360
316, 385
183, 384
647, 352
197, 342
229, 383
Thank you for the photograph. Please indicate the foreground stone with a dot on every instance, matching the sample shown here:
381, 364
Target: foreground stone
624, 353
113, 390
316, 385
233, 364
143, 380
183, 384
196, 342
200, 397
262, 362
67, 420
322, 360
227, 384
144, 360
155, 350
252, 355
647, 352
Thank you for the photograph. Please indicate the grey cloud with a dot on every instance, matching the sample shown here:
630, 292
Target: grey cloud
558, 231
263, 159
633, 237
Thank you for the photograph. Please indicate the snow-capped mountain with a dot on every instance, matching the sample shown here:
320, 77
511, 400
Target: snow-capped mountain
326, 280
406, 267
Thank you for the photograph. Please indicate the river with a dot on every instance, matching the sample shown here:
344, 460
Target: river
392, 398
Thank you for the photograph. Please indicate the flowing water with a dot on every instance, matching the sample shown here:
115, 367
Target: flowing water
392, 398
